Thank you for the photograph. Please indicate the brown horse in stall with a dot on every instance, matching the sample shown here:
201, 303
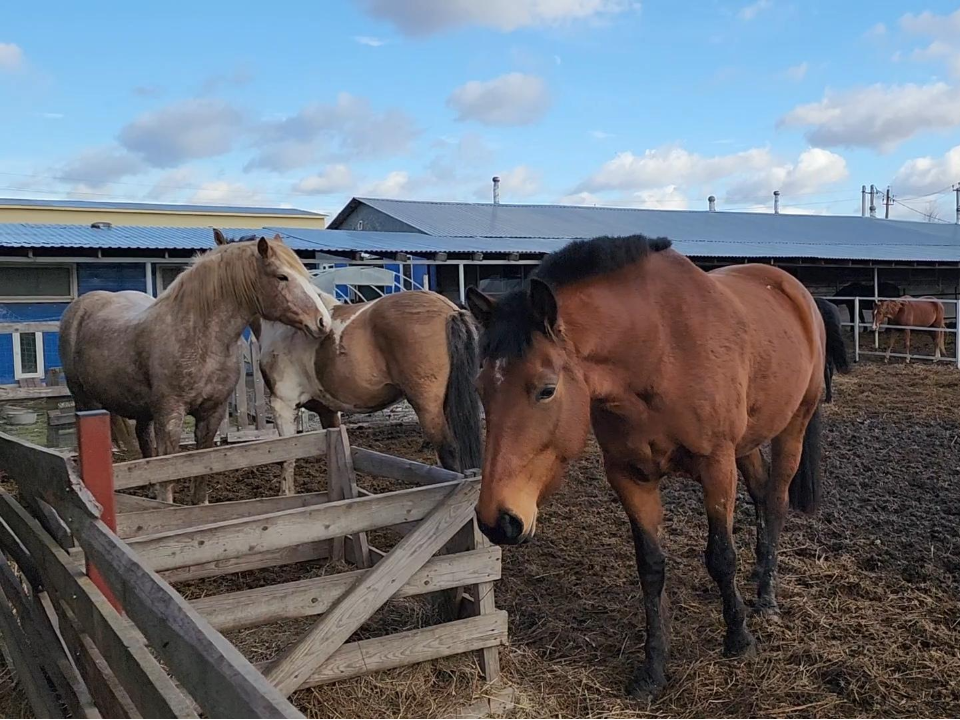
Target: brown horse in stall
912, 312
157, 360
677, 370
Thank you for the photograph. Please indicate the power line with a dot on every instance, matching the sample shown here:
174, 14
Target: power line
928, 216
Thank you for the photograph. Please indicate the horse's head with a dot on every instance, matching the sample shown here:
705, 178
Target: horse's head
537, 408
885, 310
286, 293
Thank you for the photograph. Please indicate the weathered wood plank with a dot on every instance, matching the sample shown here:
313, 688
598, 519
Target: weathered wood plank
396, 468
410, 647
255, 561
243, 419
12, 546
29, 327
233, 538
295, 665
133, 503
33, 393
303, 598
242, 436
259, 397
137, 473
27, 666
171, 518
219, 678
340, 473
120, 643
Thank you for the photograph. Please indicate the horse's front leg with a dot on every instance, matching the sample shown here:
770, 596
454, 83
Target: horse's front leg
205, 434
718, 475
893, 339
285, 420
906, 334
167, 425
641, 500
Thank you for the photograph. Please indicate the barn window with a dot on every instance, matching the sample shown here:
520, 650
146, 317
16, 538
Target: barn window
166, 274
27, 355
23, 282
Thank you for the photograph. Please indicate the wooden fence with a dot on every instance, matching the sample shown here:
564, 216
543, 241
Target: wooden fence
85, 572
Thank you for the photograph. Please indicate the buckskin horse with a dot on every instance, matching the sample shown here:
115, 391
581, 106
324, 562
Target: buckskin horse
677, 370
157, 360
916, 312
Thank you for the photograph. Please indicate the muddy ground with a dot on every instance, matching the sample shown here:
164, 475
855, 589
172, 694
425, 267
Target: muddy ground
869, 588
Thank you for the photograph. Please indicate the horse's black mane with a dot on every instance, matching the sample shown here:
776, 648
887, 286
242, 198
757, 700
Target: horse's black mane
510, 331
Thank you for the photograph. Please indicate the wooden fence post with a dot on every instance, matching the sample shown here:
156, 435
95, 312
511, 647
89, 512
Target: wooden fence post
95, 453
342, 485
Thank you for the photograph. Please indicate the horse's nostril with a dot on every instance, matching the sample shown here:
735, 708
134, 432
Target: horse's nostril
510, 525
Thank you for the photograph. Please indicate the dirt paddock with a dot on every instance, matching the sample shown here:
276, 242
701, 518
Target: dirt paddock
869, 589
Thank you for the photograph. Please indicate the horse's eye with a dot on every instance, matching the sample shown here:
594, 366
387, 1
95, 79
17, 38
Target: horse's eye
546, 392
282, 278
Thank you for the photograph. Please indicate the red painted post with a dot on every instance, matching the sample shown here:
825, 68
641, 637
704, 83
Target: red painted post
95, 450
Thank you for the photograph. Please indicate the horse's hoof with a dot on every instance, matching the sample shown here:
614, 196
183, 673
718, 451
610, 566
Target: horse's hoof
768, 610
740, 645
644, 687
755, 574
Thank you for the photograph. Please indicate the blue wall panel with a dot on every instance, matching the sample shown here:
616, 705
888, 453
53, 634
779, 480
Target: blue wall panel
110, 276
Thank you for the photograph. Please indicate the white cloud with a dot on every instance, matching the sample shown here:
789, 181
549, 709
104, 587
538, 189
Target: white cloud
928, 23
512, 99
467, 153
581, 198
814, 170
333, 178
518, 183
879, 116
52, 115
749, 12
394, 185
369, 41
237, 77
222, 192
876, 31
797, 72
928, 174
600, 135
172, 184
98, 167
670, 165
348, 128
185, 130
11, 57
424, 17
668, 197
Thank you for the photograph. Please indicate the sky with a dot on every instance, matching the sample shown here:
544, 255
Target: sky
652, 104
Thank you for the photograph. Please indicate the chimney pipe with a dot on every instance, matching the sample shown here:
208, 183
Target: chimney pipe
496, 189
863, 201
712, 203
873, 201
776, 202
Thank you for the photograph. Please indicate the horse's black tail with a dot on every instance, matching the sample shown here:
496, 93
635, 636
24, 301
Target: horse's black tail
461, 405
836, 349
805, 486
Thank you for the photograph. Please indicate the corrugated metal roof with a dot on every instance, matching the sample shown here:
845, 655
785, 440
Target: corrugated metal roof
413, 243
154, 207
119, 237
701, 233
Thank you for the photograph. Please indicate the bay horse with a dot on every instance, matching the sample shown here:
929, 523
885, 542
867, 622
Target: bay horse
157, 360
676, 370
414, 344
917, 312
837, 355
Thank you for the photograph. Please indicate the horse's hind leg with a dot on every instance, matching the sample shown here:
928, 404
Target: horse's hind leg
205, 434
433, 425
146, 438
641, 499
718, 475
167, 427
756, 472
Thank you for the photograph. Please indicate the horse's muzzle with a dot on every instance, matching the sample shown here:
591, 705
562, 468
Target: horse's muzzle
508, 530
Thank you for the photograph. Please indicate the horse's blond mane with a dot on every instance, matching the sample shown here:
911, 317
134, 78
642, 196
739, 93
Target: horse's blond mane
228, 273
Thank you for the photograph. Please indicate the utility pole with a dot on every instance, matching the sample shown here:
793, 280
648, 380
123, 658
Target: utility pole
956, 189
863, 201
887, 201
873, 200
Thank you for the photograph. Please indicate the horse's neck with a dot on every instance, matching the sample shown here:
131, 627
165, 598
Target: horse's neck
216, 325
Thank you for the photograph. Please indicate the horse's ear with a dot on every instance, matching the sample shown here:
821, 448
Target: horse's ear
218, 237
263, 247
277, 237
481, 306
543, 303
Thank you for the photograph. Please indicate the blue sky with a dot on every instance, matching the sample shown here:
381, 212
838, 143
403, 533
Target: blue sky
653, 104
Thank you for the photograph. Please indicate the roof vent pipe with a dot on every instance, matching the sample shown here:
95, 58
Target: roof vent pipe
873, 201
776, 202
496, 189
712, 203
101, 225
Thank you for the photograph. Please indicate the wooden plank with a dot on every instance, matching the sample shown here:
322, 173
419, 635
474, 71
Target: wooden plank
295, 665
138, 473
243, 419
106, 689
411, 647
340, 472
241, 436
45, 645
33, 393
255, 561
12, 546
29, 327
303, 598
178, 517
133, 503
234, 538
396, 468
27, 666
259, 397
121, 645
219, 678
